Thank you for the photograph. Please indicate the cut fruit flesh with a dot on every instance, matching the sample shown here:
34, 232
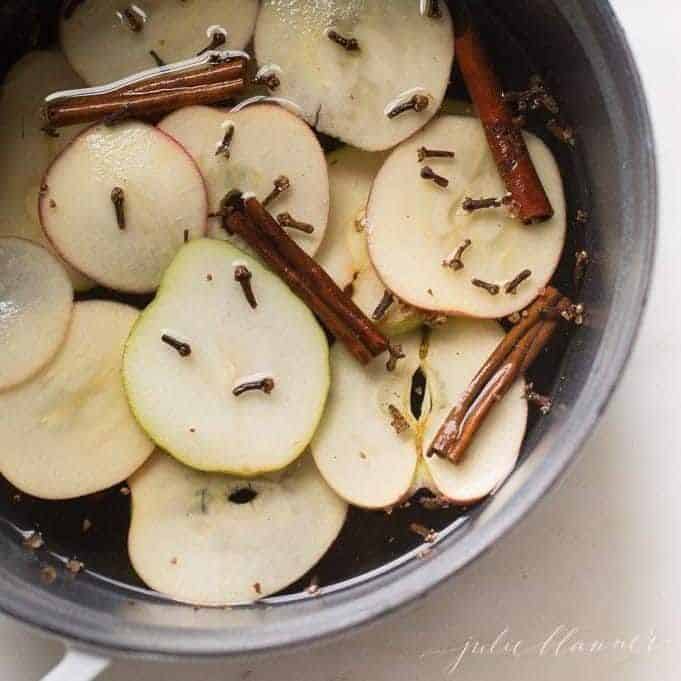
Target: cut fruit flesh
414, 225
267, 142
209, 539
79, 216
69, 432
26, 149
36, 301
186, 404
175, 31
345, 93
344, 254
369, 464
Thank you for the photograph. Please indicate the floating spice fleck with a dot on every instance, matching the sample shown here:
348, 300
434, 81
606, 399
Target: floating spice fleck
562, 132
125, 491
398, 422
544, 403
383, 306
281, 184
396, 354
455, 260
428, 535
155, 56
435, 503
132, 18
581, 217
267, 77
74, 566
244, 276
33, 541
582, 260
257, 588
118, 200
512, 286
313, 587
224, 148
349, 44
287, 220
415, 103
86, 526
183, 349
574, 314
266, 385
423, 153
427, 173
492, 289
48, 575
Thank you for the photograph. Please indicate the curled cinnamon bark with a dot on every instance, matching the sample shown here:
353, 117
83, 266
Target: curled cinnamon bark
512, 357
529, 199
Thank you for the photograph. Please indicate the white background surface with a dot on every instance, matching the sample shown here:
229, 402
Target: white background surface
601, 556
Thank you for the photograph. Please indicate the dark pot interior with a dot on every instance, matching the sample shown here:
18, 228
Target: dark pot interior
576, 45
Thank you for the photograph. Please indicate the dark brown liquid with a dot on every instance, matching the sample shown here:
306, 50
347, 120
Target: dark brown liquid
369, 540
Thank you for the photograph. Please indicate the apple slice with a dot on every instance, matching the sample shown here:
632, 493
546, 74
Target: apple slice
374, 459
455, 354
26, 149
210, 539
347, 93
415, 225
69, 431
186, 400
133, 33
117, 201
36, 301
262, 143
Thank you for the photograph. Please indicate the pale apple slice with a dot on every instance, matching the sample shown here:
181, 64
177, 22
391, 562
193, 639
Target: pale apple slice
364, 450
174, 31
415, 225
69, 431
348, 93
25, 150
264, 142
162, 201
374, 459
187, 403
210, 539
36, 301
456, 352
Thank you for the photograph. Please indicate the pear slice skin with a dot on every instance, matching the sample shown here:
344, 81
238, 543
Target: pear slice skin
69, 432
174, 30
36, 302
78, 215
188, 541
268, 142
456, 352
414, 225
356, 449
345, 94
186, 403
26, 149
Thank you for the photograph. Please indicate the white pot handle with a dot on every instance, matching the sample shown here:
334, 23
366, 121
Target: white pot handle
78, 666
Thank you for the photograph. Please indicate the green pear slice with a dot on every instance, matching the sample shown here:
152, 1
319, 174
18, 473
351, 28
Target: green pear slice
69, 431
357, 450
456, 352
187, 405
192, 540
370, 464
414, 225
163, 192
345, 93
267, 142
36, 301
25, 150
174, 30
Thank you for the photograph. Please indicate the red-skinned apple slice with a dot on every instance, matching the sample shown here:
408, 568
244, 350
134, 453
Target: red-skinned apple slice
374, 459
68, 431
264, 143
210, 539
26, 149
347, 93
415, 225
117, 201
174, 31
36, 301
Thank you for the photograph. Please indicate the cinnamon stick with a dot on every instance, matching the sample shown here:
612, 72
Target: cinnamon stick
512, 357
240, 223
341, 304
529, 198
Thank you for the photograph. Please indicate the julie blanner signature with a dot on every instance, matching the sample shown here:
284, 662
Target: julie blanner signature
564, 641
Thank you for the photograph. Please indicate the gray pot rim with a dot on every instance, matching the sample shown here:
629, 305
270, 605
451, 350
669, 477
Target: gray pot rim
340, 612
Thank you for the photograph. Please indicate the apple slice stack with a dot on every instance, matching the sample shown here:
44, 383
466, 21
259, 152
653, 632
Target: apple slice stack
222, 402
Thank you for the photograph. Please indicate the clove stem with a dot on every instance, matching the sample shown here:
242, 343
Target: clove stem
455, 261
286, 220
224, 148
264, 384
243, 275
492, 289
423, 153
512, 286
349, 44
281, 184
183, 349
383, 306
415, 103
118, 200
427, 173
